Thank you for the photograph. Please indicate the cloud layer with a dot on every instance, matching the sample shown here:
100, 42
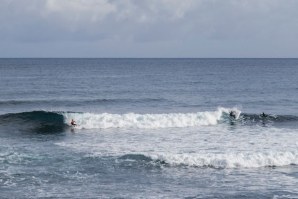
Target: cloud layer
148, 28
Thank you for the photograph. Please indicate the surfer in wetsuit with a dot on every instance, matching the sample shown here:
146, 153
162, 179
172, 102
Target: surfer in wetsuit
263, 115
233, 114
73, 123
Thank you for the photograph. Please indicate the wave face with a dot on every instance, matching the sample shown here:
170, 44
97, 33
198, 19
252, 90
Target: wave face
36, 121
147, 121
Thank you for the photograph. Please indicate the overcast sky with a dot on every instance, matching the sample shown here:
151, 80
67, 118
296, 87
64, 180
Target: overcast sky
149, 28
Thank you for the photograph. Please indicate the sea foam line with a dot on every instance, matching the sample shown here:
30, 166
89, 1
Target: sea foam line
236, 160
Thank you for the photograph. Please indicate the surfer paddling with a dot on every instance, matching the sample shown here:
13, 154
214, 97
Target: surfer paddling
73, 123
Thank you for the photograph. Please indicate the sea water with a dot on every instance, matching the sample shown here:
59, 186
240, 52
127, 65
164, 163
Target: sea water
148, 128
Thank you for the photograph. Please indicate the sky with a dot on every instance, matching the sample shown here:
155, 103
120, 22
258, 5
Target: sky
149, 28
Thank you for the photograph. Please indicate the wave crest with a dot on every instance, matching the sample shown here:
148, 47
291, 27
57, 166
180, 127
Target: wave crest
147, 121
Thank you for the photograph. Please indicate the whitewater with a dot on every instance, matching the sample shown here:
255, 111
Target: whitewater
149, 121
231, 158
219, 145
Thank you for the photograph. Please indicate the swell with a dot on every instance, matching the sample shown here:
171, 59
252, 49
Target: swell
81, 101
254, 118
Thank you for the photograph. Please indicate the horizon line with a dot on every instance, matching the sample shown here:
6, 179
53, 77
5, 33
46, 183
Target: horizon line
148, 57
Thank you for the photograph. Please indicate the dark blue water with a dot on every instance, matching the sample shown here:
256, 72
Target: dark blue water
148, 128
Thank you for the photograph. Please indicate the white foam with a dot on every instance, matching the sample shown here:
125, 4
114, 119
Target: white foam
148, 121
236, 160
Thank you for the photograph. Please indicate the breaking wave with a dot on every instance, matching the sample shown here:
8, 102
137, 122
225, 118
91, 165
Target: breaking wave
60, 120
147, 121
220, 161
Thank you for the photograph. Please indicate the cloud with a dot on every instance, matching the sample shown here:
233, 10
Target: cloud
67, 19
79, 11
182, 23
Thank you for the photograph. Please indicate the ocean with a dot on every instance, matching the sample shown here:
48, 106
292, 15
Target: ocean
149, 128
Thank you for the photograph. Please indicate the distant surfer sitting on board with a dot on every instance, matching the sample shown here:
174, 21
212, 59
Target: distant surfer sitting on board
73, 123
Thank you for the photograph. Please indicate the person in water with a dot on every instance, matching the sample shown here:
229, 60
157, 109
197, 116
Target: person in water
73, 123
264, 115
233, 114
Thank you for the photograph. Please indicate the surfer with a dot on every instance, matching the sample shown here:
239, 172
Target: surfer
233, 114
264, 115
73, 123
